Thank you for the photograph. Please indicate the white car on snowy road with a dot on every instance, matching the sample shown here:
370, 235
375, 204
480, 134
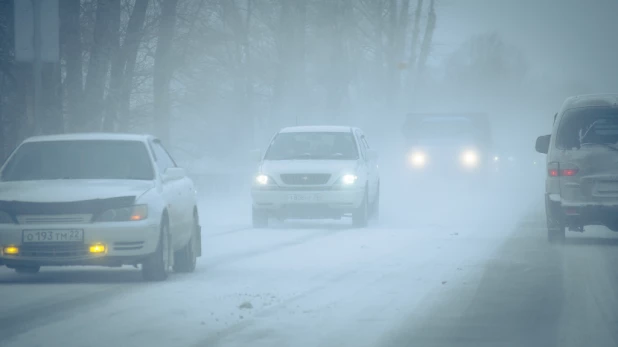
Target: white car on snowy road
317, 172
97, 199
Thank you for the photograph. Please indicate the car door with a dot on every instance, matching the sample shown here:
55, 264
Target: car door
171, 191
372, 167
366, 163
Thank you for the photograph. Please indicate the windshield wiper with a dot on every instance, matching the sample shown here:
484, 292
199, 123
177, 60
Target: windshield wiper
606, 145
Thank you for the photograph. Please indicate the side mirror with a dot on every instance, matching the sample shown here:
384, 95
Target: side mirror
256, 155
542, 144
372, 155
174, 174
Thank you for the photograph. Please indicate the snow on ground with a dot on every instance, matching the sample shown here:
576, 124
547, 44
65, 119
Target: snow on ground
299, 283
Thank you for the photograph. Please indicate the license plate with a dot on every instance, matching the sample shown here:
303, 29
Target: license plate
52, 236
304, 198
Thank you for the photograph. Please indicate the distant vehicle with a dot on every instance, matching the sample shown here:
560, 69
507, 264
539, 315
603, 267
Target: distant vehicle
582, 165
97, 199
316, 172
449, 144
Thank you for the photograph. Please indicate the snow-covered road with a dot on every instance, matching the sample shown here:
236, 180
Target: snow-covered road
481, 275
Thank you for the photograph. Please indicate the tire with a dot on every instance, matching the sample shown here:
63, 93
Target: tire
556, 228
259, 218
375, 206
156, 267
185, 260
27, 269
360, 217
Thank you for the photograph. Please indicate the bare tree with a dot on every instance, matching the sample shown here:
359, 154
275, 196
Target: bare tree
164, 69
123, 69
105, 43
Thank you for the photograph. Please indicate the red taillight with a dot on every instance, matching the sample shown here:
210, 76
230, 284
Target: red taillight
569, 172
554, 170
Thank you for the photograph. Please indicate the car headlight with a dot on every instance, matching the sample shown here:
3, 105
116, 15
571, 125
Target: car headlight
418, 159
5, 218
263, 180
125, 214
470, 158
348, 179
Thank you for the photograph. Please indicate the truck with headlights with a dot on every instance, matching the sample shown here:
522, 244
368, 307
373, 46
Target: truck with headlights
316, 172
457, 145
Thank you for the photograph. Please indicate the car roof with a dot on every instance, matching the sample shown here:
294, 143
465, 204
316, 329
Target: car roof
317, 129
591, 100
91, 137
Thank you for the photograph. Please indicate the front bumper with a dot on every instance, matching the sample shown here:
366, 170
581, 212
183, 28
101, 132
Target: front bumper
311, 202
125, 243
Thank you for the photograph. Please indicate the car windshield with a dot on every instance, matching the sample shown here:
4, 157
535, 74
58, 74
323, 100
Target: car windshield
54, 160
588, 126
313, 145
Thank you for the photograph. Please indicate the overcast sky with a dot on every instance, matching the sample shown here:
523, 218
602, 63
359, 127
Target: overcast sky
561, 38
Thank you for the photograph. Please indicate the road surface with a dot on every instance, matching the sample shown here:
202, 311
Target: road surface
472, 274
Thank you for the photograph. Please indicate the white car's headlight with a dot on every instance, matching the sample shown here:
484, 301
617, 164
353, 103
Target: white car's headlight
263, 180
470, 158
5, 218
125, 214
348, 179
418, 159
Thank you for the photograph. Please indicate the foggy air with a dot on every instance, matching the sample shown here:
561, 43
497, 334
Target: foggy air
359, 173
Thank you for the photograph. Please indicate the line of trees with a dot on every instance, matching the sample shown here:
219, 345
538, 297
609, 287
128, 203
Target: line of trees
202, 74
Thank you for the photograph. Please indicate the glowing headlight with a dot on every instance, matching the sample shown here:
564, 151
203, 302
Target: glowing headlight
262, 180
496, 158
125, 214
418, 159
348, 179
470, 158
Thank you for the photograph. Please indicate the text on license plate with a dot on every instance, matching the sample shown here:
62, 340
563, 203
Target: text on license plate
39, 236
304, 198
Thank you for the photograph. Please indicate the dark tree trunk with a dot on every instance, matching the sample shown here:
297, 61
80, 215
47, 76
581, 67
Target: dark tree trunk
71, 42
123, 67
164, 70
52, 121
426, 45
105, 33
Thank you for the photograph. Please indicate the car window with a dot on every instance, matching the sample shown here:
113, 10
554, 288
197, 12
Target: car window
162, 157
86, 159
313, 145
362, 146
587, 126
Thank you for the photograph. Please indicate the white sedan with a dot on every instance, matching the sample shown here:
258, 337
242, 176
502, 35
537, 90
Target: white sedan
97, 199
317, 172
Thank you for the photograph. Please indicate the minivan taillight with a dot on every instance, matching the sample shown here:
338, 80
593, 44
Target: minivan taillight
555, 170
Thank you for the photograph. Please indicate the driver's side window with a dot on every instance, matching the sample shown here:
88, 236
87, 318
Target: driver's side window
361, 145
162, 157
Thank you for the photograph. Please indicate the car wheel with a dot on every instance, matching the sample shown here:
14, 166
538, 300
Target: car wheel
27, 269
361, 215
555, 223
185, 259
156, 267
259, 218
375, 210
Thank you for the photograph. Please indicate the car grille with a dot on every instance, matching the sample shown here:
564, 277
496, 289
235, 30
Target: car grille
58, 251
54, 219
305, 179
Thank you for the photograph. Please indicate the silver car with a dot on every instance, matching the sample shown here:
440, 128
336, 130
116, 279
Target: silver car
581, 185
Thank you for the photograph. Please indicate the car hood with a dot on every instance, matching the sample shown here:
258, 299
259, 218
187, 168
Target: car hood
71, 190
271, 167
